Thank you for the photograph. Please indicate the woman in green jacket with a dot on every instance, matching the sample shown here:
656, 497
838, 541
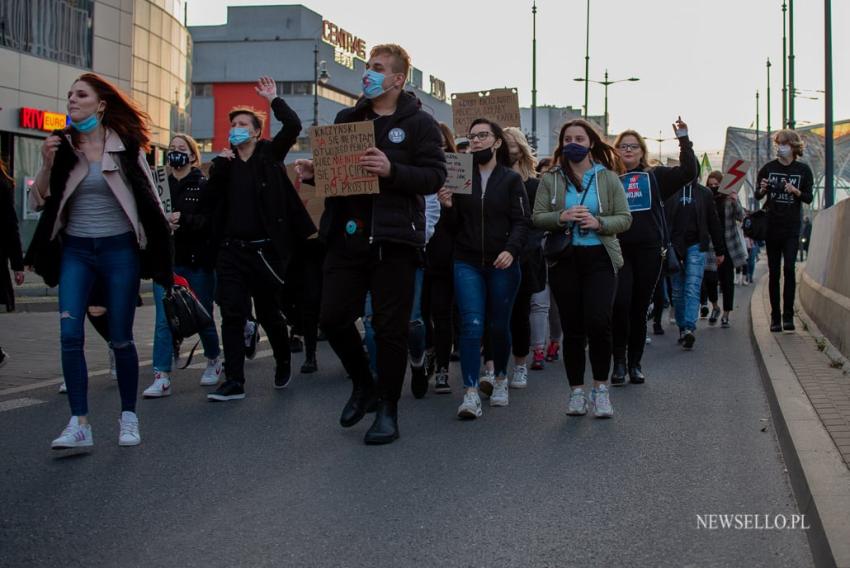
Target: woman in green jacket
582, 194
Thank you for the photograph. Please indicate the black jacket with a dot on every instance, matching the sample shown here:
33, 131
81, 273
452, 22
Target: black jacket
484, 227
196, 204
10, 243
284, 217
708, 224
418, 169
45, 253
533, 263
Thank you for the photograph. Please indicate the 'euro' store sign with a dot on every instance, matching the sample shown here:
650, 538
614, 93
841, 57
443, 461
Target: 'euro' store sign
35, 119
339, 38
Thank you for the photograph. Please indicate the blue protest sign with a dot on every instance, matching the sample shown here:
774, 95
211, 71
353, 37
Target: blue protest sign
638, 194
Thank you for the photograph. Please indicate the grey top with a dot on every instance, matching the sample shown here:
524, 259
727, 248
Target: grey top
93, 210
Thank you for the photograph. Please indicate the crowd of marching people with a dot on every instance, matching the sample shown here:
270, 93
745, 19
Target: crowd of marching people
566, 257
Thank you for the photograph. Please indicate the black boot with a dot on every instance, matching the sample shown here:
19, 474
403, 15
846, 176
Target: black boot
418, 381
362, 400
282, 374
385, 428
310, 365
618, 375
788, 322
636, 376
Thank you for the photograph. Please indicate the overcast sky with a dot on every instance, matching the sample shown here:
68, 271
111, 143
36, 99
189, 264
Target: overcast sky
703, 59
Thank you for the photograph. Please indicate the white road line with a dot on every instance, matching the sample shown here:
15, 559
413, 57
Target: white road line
19, 403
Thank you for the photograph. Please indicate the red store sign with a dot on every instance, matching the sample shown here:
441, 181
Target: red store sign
47, 121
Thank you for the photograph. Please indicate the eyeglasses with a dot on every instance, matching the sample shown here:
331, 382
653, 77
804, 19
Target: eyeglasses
480, 135
629, 147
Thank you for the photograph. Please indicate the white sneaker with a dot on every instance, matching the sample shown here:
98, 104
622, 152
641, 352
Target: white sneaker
578, 403
485, 383
470, 408
212, 373
500, 393
63, 388
129, 429
601, 402
112, 370
75, 435
519, 379
161, 386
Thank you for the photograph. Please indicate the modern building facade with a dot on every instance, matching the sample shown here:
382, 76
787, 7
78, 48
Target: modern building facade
140, 45
317, 64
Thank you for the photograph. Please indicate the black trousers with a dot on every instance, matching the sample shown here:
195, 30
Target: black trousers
636, 282
726, 276
437, 309
242, 275
521, 324
779, 251
584, 285
304, 287
659, 297
388, 271
708, 292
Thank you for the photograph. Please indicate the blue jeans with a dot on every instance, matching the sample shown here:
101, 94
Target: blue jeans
687, 284
485, 296
751, 261
416, 328
112, 262
202, 282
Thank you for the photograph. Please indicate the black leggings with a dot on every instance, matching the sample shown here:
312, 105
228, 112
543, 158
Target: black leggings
726, 276
777, 251
636, 282
708, 293
584, 285
437, 308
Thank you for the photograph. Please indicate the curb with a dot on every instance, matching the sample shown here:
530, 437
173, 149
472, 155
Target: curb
819, 477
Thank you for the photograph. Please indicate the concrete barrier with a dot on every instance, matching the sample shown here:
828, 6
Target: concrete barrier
825, 282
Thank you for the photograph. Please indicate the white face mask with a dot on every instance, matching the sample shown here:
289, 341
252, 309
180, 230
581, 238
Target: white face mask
783, 150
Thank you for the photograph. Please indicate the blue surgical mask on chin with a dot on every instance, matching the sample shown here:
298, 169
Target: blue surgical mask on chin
86, 125
239, 135
373, 84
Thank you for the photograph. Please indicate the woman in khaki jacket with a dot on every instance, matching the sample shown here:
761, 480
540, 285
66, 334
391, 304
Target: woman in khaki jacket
582, 194
102, 223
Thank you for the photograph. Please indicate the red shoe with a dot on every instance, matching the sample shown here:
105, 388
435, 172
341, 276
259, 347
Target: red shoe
552, 351
538, 361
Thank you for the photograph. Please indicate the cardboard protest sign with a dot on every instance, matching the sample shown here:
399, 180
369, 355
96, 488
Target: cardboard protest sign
314, 204
638, 191
734, 176
499, 105
459, 173
160, 176
337, 149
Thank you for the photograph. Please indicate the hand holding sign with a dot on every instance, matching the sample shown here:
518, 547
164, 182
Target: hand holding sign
459, 173
376, 162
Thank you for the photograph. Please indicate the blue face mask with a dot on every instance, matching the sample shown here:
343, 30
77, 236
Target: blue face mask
575, 152
239, 135
87, 125
373, 84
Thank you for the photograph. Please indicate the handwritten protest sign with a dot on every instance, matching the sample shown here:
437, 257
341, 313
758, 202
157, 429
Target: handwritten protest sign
336, 155
499, 105
160, 176
734, 176
459, 170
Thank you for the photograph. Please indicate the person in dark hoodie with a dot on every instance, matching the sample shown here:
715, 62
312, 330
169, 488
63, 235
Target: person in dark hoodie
259, 222
194, 259
375, 242
491, 229
643, 244
10, 245
692, 218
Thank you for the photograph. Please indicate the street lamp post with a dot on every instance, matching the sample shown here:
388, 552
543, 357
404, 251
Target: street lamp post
784, 66
586, 59
605, 83
660, 141
768, 96
758, 135
792, 122
829, 154
534, 75
320, 75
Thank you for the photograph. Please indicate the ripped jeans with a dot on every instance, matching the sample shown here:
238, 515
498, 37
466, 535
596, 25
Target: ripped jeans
112, 262
485, 296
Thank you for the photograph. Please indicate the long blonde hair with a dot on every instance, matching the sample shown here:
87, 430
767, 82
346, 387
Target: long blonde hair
527, 163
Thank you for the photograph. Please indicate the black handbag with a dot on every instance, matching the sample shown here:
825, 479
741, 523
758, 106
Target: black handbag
559, 245
184, 313
755, 225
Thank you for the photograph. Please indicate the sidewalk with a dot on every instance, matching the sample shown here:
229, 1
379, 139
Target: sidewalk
808, 386
35, 296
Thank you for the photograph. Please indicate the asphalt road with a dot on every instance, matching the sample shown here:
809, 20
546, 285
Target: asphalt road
275, 481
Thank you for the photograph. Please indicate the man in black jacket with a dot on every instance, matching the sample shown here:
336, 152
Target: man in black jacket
259, 222
375, 242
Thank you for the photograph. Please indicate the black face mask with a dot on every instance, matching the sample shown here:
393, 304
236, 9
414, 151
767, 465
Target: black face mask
480, 157
177, 159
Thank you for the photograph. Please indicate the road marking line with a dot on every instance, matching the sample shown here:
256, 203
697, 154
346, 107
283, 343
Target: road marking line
19, 403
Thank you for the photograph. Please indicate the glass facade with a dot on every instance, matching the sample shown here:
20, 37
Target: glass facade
162, 54
59, 30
